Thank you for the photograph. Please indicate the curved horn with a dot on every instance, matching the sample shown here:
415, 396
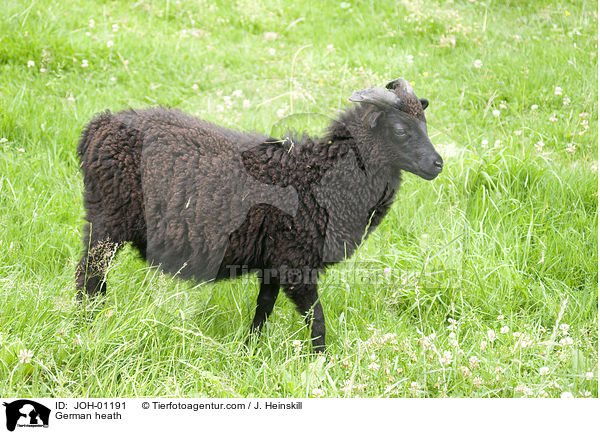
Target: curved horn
402, 84
375, 95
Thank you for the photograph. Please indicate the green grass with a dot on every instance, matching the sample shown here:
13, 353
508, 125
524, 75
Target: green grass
503, 244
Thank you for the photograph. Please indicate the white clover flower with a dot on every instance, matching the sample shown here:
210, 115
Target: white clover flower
446, 358
426, 341
491, 335
30, 63
544, 370
589, 375
566, 100
347, 387
414, 386
477, 63
390, 337
502, 105
571, 148
566, 341
525, 341
280, 113
584, 124
484, 143
373, 366
25, 356
360, 388
566, 395
246, 104
410, 58
237, 93
84, 63
270, 36
466, 371
518, 132
115, 27
345, 5
220, 108
504, 329
452, 325
497, 143
534, 107
330, 48
519, 388
500, 317
92, 23
296, 343
483, 345
318, 393
496, 113
564, 328
272, 51
552, 118
387, 271
110, 43
3, 140
112, 79
477, 382
194, 86
539, 146
473, 362
558, 91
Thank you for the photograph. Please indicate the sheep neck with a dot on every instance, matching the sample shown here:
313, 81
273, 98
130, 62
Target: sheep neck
349, 130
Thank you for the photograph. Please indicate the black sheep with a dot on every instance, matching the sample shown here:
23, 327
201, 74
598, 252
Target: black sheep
207, 203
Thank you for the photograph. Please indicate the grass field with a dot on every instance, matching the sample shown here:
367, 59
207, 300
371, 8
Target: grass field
481, 283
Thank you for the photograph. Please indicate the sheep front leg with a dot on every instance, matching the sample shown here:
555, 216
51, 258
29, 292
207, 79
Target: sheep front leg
306, 298
269, 290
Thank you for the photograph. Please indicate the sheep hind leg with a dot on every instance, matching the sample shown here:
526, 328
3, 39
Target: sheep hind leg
90, 274
308, 305
269, 290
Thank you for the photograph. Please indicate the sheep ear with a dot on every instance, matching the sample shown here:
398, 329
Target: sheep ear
424, 103
372, 117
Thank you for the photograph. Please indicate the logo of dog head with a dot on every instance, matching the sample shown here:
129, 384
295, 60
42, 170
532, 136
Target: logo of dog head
26, 413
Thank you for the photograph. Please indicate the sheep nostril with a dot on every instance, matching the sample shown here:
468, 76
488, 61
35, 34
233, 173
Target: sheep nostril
438, 163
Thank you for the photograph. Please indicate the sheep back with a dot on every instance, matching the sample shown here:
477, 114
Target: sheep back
197, 192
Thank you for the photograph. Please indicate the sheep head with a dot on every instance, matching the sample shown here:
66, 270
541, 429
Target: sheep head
396, 119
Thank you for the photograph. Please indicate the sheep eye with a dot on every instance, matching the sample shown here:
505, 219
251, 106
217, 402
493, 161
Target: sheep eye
399, 131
